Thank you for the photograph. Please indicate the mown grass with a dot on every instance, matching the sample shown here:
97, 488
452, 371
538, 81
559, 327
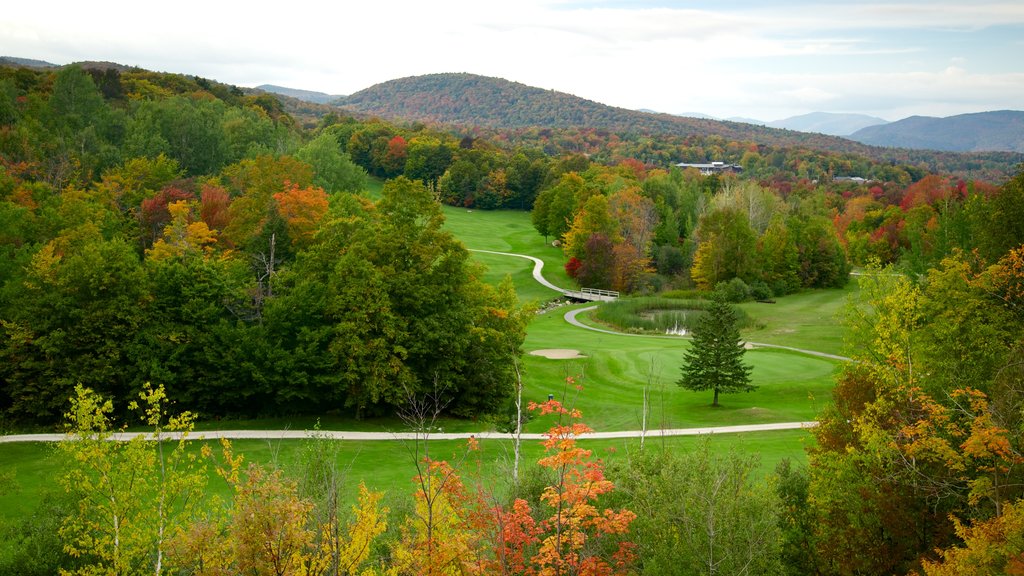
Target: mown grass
507, 231
617, 368
811, 320
388, 465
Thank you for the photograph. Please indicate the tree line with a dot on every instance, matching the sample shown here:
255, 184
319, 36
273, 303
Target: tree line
153, 236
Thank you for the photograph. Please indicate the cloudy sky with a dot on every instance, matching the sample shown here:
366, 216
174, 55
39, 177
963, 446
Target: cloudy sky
763, 60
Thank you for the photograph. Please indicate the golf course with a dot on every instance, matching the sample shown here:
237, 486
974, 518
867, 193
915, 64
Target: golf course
620, 382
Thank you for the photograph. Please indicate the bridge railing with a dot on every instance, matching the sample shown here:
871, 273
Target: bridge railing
599, 292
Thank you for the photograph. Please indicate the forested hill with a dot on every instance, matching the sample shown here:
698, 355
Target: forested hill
304, 95
469, 100
1002, 130
472, 100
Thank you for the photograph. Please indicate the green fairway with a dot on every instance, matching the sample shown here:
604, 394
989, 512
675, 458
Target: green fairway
616, 368
810, 320
507, 231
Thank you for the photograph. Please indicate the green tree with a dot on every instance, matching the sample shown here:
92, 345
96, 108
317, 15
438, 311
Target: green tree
333, 169
715, 359
726, 250
702, 513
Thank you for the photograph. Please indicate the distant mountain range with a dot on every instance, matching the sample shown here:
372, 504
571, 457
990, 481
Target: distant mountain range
828, 123
1002, 130
472, 100
27, 62
304, 95
469, 100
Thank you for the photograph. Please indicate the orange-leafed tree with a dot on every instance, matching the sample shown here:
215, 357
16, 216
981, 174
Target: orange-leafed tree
993, 546
302, 210
569, 541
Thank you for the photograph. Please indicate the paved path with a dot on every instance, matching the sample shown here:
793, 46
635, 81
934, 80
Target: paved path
372, 436
571, 315
538, 265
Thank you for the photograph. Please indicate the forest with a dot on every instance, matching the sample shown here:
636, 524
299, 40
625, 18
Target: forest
182, 249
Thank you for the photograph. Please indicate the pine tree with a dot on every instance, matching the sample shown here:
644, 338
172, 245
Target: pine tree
715, 359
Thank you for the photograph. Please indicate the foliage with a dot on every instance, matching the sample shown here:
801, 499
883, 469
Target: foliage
993, 546
132, 496
702, 513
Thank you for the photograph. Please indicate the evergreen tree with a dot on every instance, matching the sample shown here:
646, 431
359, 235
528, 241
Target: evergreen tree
715, 360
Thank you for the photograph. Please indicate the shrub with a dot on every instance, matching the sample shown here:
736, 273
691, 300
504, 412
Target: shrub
735, 290
759, 290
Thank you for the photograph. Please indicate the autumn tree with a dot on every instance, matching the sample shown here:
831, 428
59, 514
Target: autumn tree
134, 496
637, 219
726, 248
185, 235
302, 209
714, 361
566, 537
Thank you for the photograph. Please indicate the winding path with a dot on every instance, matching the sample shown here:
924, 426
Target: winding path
571, 315
538, 265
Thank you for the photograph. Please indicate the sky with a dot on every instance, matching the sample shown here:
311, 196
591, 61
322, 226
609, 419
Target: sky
761, 60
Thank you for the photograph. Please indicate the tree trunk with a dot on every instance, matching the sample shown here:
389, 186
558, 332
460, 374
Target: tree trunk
715, 403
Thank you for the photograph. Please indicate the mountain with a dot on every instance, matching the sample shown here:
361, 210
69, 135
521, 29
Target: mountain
304, 95
26, 62
747, 120
828, 123
480, 101
999, 131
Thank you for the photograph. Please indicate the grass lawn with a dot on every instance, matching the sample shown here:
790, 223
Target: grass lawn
507, 231
792, 387
388, 465
809, 320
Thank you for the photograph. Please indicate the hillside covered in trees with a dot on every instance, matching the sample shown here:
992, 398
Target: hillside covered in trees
998, 130
472, 101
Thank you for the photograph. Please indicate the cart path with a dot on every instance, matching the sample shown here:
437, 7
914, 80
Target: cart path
538, 265
570, 316
389, 436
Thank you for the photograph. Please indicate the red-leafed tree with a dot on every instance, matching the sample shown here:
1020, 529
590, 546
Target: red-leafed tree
213, 208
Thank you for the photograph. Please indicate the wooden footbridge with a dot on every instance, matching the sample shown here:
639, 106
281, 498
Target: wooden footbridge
591, 294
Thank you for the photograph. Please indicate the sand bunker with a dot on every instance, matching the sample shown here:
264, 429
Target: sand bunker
558, 354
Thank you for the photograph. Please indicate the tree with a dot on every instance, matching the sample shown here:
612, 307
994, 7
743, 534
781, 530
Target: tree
333, 169
133, 496
702, 512
726, 249
715, 360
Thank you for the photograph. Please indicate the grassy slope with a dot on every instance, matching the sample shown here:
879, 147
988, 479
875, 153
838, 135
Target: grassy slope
809, 320
792, 386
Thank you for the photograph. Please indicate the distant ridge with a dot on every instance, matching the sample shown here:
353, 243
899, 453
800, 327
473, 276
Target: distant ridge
304, 95
999, 131
26, 62
828, 123
471, 100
